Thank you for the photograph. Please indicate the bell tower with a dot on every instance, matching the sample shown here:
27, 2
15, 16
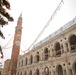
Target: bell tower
16, 46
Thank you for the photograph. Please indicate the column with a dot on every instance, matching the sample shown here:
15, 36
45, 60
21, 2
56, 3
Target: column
67, 69
73, 71
64, 72
69, 46
64, 47
52, 72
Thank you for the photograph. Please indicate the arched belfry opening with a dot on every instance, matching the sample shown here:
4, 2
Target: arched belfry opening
72, 41
57, 48
59, 70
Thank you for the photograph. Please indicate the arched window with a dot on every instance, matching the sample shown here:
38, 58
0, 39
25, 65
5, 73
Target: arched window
30, 73
31, 59
37, 71
57, 48
74, 68
22, 62
0, 72
25, 73
18, 73
46, 71
46, 53
59, 70
26, 60
37, 57
72, 41
21, 73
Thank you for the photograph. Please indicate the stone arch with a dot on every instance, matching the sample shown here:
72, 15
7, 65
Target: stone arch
31, 59
25, 73
59, 70
30, 72
26, 61
74, 67
46, 53
22, 62
0, 72
18, 73
21, 73
37, 71
46, 71
72, 41
57, 48
37, 57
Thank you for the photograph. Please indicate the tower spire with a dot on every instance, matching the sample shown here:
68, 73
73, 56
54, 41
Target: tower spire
20, 17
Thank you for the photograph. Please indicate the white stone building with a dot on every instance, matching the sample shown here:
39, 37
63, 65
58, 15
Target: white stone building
54, 55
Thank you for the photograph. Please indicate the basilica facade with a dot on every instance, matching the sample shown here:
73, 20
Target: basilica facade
54, 55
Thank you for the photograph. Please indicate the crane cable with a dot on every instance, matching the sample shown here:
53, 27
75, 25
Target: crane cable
47, 24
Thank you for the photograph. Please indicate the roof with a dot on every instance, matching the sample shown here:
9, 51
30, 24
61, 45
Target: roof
60, 30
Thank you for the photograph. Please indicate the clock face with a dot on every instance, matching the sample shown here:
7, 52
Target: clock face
18, 43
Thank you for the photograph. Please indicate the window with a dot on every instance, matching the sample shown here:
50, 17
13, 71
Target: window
60, 70
57, 49
22, 62
37, 72
72, 41
37, 57
26, 61
25, 73
30, 73
46, 53
67, 46
31, 59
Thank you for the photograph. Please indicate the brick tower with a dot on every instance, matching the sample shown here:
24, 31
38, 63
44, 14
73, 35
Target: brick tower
16, 46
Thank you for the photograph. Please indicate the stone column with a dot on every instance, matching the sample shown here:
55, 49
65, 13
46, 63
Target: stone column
67, 69
9, 72
52, 72
64, 46
73, 71
41, 54
69, 46
64, 72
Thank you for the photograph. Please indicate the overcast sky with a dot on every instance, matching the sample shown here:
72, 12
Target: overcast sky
36, 14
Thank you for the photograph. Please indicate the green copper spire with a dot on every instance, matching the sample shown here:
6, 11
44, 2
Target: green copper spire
20, 17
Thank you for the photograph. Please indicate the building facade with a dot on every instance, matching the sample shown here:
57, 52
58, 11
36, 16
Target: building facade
54, 55
5, 70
